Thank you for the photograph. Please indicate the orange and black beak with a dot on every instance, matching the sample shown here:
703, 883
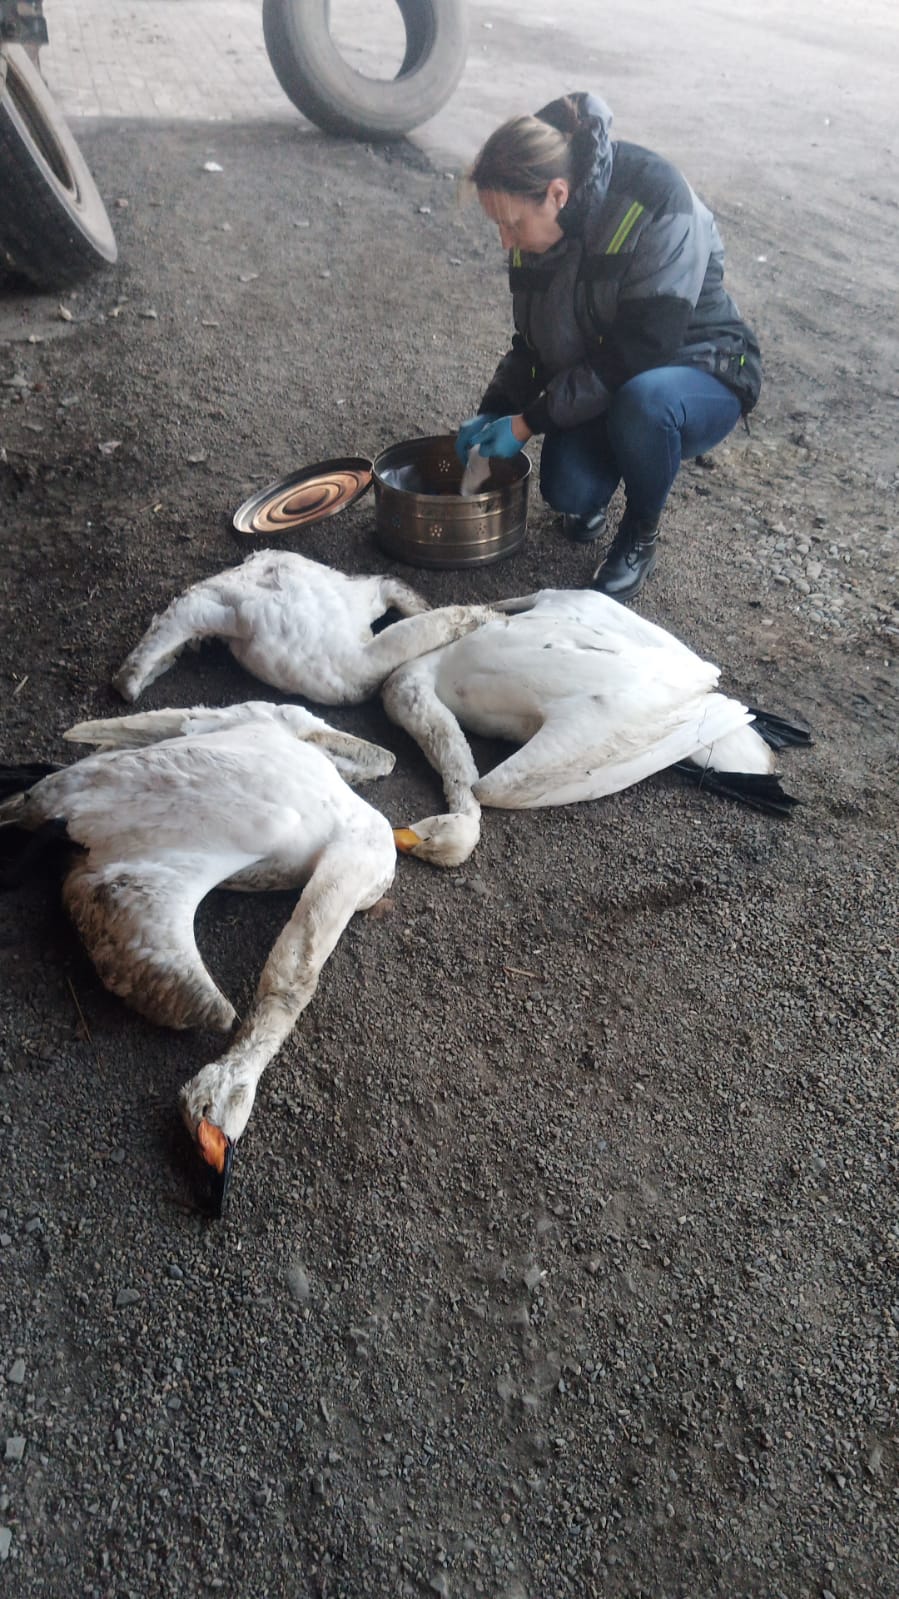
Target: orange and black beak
216, 1153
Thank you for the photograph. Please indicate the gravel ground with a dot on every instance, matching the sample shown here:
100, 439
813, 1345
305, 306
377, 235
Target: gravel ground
562, 1253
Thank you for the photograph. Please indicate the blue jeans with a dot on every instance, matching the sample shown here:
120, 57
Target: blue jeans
653, 422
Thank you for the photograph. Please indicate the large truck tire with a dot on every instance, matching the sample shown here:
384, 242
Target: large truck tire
314, 75
53, 224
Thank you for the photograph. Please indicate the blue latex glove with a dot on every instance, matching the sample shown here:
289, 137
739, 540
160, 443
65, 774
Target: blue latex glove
468, 433
497, 439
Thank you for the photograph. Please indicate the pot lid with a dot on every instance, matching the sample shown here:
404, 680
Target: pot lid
305, 496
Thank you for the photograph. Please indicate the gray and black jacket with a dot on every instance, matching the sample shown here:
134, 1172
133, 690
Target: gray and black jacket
636, 282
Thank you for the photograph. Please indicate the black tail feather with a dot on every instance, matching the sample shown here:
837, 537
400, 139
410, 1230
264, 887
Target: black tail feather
18, 779
777, 732
763, 791
22, 852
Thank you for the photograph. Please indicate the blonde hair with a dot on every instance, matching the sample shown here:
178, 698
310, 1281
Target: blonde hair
524, 155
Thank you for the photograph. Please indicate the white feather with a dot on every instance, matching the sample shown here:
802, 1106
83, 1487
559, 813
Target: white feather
298, 625
597, 697
250, 798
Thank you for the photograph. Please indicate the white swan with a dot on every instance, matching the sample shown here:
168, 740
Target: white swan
251, 797
299, 626
596, 696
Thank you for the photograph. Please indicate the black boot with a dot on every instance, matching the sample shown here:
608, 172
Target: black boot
584, 529
629, 560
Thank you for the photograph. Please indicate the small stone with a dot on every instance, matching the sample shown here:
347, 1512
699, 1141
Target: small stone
16, 1371
15, 1448
298, 1282
173, 1402
5, 1240
175, 1272
5, 1541
126, 1296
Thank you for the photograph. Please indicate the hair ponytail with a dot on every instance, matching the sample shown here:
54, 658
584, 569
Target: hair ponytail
522, 157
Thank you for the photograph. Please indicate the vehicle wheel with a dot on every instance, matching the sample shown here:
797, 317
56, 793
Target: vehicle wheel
314, 75
53, 224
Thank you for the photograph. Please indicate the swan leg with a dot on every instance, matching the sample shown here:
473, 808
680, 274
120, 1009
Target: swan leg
417, 635
197, 614
411, 700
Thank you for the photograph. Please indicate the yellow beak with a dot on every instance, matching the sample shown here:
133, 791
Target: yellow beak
405, 839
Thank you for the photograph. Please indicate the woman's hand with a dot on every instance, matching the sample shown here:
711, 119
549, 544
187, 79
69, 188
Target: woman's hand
503, 437
469, 433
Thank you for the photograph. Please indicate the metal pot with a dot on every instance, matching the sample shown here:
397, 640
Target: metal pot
420, 516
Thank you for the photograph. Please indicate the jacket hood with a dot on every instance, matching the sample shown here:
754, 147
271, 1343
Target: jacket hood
592, 147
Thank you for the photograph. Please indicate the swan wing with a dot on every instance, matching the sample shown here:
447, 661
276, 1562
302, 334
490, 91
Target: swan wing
507, 677
582, 753
136, 921
356, 759
608, 618
152, 727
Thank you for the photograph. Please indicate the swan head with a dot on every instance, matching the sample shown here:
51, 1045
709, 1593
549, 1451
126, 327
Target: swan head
216, 1106
442, 840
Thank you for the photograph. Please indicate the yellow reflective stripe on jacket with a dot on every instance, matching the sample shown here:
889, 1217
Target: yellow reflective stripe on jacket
624, 228
516, 257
